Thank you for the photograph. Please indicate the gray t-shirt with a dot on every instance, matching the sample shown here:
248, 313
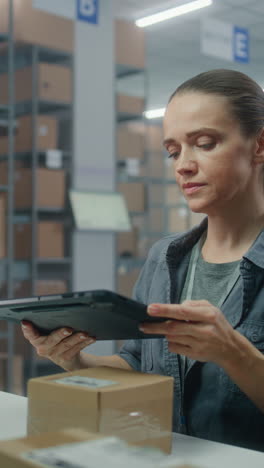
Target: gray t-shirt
211, 281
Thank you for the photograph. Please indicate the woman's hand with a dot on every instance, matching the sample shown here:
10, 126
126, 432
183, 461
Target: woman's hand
62, 346
195, 329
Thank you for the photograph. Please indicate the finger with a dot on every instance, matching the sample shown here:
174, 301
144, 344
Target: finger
176, 328
180, 349
57, 336
29, 331
200, 313
60, 342
71, 353
185, 340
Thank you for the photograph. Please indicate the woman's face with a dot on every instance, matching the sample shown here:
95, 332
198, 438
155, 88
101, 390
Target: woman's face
212, 159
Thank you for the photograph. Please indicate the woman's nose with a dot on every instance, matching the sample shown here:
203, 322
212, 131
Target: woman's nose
186, 163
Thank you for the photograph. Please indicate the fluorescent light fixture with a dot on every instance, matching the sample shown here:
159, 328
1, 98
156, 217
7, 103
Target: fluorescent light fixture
172, 12
155, 113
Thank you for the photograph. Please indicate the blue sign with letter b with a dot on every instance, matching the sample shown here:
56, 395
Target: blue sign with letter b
241, 44
87, 10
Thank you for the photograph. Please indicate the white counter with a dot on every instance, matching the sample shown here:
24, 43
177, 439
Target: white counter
13, 416
198, 452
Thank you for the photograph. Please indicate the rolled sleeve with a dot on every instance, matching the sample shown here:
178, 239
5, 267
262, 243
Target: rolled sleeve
131, 353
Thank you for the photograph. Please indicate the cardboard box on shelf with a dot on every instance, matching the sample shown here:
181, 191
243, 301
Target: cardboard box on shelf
127, 243
129, 144
154, 139
23, 289
169, 170
50, 240
126, 281
46, 133
173, 195
134, 193
3, 236
129, 44
54, 84
130, 104
133, 406
50, 188
156, 194
178, 219
17, 373
42, 287
53, 179
34, 26
157, 220
155, 166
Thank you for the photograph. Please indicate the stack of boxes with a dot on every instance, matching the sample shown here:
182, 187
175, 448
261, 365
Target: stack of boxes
130, 153
53, 87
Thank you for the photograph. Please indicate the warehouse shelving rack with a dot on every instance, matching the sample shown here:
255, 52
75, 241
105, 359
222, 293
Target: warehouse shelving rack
13, 57
7, 114
122, 73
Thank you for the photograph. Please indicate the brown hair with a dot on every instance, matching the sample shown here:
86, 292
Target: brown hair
245, 96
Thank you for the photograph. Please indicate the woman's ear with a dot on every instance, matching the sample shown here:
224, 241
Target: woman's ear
259, 148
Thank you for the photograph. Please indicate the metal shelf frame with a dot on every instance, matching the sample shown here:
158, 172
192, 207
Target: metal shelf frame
12, 57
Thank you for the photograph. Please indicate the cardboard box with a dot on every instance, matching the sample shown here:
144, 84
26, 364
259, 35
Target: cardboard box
169, 170
46, 133
134, 193
50, 188
155, 166
3, 235
133, 406
17, 374
173, 195
154, 139
130, 104
129, 44
129, 144
54, 84
126, 281
157, 220
127, 243
79, 445
178, 219
12, 451
34, 26
50, 240
53, 179
42, 287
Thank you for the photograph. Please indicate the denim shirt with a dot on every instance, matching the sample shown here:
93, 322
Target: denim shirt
216, 408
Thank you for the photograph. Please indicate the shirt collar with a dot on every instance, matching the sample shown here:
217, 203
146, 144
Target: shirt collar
184, 243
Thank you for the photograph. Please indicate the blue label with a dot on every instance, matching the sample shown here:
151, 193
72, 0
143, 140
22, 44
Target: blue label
241, 44
87, 10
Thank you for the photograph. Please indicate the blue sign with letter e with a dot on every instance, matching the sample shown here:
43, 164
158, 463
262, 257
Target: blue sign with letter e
87, 10
240, 44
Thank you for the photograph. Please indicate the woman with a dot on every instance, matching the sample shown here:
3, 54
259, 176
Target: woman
207, 282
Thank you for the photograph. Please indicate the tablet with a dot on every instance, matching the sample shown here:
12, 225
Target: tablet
103, 314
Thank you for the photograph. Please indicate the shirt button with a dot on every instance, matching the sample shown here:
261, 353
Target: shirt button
254, 337
247, 266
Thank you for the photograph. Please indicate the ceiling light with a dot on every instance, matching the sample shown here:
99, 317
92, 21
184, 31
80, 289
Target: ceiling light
172, 12
155, 113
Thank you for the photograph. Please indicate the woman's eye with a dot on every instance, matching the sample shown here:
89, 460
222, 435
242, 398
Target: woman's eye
174, 155
207, 146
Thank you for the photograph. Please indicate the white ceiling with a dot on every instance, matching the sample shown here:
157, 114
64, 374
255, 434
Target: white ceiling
173, 48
